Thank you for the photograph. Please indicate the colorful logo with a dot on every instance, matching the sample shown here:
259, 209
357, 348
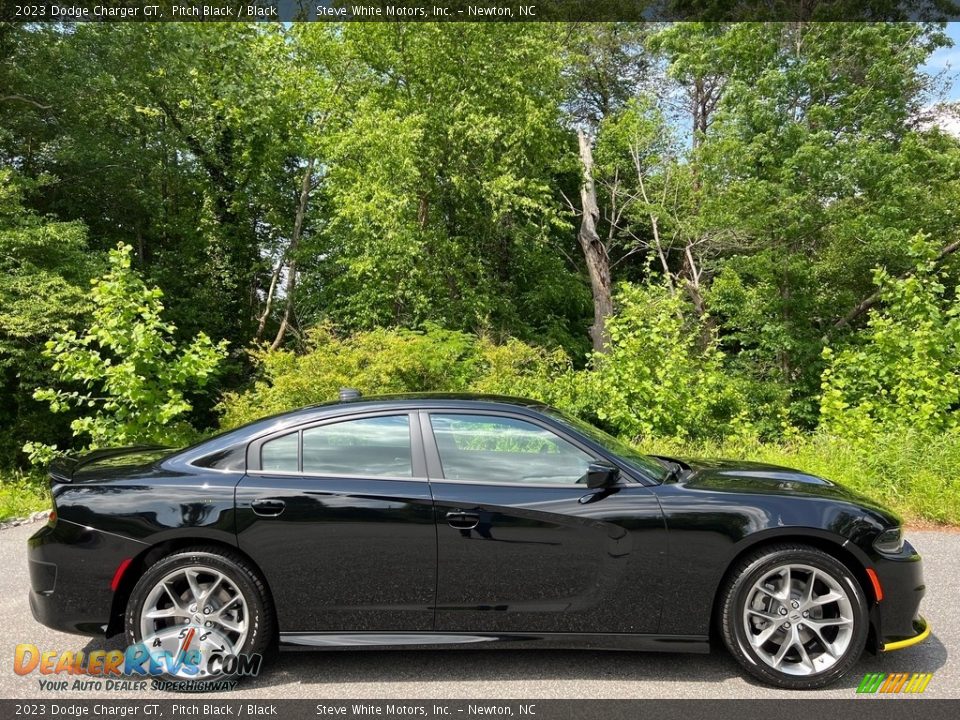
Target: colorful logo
894, 683
188, 655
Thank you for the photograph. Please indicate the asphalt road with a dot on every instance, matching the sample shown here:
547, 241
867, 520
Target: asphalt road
516, 674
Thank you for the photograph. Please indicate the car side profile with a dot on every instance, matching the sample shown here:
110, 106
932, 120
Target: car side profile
470, 521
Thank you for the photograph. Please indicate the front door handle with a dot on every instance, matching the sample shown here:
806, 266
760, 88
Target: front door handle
268, 507
462, 520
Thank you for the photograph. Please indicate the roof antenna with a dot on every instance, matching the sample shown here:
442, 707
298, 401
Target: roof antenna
347, 394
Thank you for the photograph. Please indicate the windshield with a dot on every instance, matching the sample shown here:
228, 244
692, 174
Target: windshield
643, 463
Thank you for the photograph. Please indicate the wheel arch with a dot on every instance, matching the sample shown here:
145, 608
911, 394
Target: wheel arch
835, 545
141, 562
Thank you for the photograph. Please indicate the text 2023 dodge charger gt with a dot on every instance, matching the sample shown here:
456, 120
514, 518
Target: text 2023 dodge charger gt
457, 521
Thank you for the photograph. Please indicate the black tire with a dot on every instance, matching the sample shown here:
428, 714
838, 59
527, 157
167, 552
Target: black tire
738, 590
260, 618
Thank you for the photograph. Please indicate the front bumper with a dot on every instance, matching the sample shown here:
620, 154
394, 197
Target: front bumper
922, 628
71, 569
896, 618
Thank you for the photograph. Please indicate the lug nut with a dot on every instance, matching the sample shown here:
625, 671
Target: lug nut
208, 624
783, 611
193, 608
806, 613
786, 626
207, 610
796, 604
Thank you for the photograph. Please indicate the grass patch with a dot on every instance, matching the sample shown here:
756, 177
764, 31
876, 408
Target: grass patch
916, 476
22, 494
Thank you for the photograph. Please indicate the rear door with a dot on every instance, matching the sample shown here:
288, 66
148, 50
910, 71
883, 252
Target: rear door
339, 517
523, 544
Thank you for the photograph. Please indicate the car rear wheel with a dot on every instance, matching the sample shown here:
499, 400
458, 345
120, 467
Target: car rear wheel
793, 616
197, 609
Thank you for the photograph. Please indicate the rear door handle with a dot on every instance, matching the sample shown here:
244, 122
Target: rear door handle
268, 507
462, 520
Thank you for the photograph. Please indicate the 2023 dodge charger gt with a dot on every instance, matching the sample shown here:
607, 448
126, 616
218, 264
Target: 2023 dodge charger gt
455, 521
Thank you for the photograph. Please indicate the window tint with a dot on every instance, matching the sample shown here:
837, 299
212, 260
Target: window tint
371, 447
280, 454
500, 449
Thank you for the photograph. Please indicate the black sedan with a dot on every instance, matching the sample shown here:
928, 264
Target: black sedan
458, 521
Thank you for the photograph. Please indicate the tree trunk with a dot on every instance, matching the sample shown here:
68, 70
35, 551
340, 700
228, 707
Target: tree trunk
291, 286
594, 251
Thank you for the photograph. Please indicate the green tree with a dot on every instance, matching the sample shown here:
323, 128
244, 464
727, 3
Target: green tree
134, 378
438, 200
904, 371
655, 380
45, 266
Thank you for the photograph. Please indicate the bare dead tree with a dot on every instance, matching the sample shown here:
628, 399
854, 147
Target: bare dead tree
594, 250
306, 186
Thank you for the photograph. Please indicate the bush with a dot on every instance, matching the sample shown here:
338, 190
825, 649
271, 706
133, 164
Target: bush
905, 372
133, 376
389, 361
656, 380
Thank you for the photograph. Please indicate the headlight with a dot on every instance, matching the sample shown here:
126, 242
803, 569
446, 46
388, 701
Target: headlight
890, 541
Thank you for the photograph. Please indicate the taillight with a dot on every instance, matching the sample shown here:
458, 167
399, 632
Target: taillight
52, 518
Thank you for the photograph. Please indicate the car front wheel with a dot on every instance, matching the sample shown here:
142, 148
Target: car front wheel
793, 616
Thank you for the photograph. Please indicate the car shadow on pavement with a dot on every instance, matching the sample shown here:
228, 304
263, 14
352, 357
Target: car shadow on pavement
343, 667
927, 657
481, 666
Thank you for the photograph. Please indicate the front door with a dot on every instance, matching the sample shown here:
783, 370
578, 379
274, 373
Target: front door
524, 545
339, 518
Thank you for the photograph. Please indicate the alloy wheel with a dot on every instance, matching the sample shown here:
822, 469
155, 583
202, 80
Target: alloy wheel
799, 619
200, 599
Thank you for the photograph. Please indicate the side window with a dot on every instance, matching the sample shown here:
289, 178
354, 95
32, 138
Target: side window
501, 449
280, 454
371, 447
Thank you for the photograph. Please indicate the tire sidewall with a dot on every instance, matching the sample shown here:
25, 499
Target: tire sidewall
256, 640
739, 594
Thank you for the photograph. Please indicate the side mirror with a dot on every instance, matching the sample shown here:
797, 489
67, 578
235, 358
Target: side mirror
601, 475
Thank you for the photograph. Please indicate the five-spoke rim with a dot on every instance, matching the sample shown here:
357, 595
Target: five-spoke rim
199, 597
798, 619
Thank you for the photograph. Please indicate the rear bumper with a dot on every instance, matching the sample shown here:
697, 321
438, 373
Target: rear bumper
71, 569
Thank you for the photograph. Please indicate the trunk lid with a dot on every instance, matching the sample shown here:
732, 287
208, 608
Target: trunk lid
104, 464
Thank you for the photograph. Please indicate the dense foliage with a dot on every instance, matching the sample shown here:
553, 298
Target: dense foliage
762, 215
132, 379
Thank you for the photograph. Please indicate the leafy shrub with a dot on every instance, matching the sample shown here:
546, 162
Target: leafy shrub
134, 377
905, 370
655, 380
388, 361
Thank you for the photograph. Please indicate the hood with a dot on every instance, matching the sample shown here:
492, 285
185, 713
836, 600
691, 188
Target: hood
745, 477
104, 464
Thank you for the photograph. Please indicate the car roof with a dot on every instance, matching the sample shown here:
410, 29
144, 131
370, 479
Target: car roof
320, 411
416, 399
